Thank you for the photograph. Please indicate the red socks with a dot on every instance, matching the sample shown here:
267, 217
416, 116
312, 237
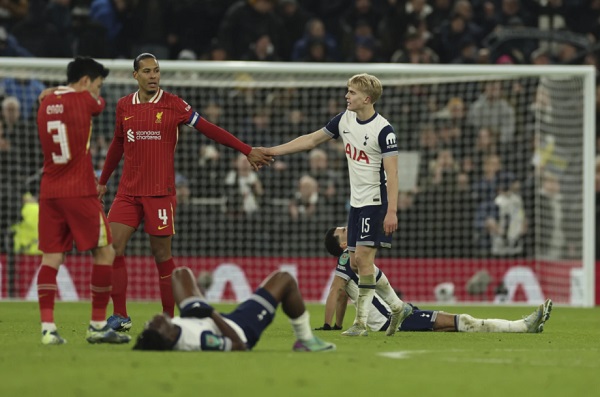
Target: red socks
46, 287
165, 269
119, 286
100, 287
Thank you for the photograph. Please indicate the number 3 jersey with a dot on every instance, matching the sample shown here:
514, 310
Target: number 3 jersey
65, 127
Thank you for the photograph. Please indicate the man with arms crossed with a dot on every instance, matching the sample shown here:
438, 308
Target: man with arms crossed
69, 205
146, 131
372, 154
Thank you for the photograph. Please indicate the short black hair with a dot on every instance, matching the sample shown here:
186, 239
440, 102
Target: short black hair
151, 339
141, 57
332, 243
85, 66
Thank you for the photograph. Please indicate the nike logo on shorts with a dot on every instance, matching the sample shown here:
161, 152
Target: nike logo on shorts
162, 227
365, 236
129, 117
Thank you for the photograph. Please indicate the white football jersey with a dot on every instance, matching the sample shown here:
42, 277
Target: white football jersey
379, 311
366, 144
203, 334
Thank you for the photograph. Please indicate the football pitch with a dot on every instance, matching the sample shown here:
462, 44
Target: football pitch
564, 360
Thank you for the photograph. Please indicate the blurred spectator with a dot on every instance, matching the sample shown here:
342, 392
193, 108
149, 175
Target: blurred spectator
12, 11
243, 188
493, 111
27, 157
317, 52
246, 21
115, 16
541, 57
89, 37
188, 33
465, 9
40, 37
25, 238
452, 35
501, 224
261, 50
365, 51
483, 146
25, 91
306, 202
485, 189
294, 17
326, 177
10, 47
468, 53
363, 11
414, 50
154, 28
443, 170
551, 218
315, 31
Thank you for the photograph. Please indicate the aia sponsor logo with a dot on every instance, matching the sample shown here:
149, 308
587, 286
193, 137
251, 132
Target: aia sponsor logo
356, 154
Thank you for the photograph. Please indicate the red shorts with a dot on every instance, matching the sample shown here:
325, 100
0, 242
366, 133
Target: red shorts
158, 213
63, 220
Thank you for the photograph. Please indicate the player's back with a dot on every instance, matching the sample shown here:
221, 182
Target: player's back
64, 128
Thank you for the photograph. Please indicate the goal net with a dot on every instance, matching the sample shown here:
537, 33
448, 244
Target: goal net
495, 180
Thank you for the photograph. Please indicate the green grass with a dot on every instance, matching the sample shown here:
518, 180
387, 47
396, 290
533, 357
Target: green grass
562, 361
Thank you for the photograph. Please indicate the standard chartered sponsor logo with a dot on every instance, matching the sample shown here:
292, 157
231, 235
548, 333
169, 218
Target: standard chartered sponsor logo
143, 136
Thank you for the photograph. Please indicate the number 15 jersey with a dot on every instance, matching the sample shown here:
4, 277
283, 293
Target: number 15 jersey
65, 127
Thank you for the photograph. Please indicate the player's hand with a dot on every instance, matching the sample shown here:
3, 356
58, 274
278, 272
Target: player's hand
45, 93
101, 189
258, 157
390, 223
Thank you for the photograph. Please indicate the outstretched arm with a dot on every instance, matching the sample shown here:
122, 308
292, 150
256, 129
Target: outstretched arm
256, 156
300, 144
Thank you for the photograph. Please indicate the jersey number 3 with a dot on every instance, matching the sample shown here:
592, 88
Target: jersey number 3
59, 135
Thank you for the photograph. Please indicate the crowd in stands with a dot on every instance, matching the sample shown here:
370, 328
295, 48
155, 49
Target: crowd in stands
408, 31
478, 152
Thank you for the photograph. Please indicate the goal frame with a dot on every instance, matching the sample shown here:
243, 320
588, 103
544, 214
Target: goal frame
121, 72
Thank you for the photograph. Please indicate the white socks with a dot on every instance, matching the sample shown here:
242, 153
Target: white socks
301, 326
468, 323
366, 291
387, 293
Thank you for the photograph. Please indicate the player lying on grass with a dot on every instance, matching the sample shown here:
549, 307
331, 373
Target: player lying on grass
200, 327
345, 284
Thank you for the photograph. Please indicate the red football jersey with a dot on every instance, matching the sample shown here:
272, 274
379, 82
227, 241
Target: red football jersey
149, 133
65, 127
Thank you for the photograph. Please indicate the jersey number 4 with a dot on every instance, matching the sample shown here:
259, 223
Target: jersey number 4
58, 130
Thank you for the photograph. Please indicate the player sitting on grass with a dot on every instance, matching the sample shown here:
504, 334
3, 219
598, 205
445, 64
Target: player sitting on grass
345, 284
200, 327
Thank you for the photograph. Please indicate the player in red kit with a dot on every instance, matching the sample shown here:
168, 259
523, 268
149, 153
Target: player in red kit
146, 131
69, 205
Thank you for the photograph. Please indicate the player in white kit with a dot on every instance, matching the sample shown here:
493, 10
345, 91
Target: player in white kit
372, 154
200, 328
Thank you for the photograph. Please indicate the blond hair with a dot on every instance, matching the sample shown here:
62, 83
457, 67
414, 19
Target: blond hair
368, 84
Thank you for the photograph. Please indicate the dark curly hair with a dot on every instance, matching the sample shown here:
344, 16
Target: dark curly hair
151, 339
332, 243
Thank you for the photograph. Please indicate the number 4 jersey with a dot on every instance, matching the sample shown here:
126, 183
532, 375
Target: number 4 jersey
65, 128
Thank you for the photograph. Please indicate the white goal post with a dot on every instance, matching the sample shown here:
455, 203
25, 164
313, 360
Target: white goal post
523, 235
